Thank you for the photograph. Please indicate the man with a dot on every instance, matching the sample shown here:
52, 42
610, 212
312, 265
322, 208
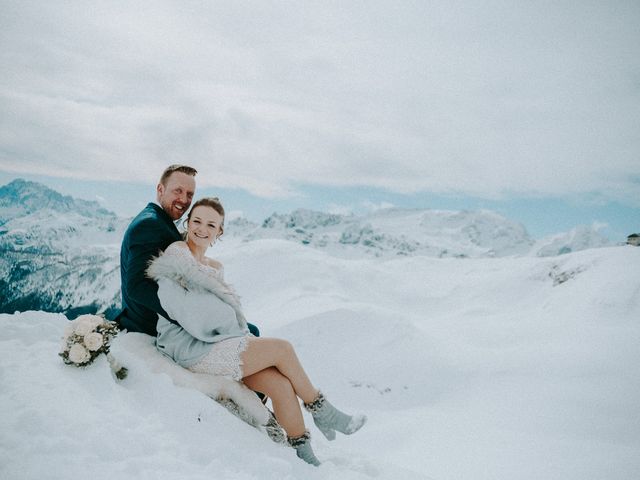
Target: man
149, 233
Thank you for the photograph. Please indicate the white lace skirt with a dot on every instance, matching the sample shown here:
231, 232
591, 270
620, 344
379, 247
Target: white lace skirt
223, 359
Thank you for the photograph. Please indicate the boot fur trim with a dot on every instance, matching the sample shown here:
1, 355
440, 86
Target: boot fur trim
316, 405
300, 440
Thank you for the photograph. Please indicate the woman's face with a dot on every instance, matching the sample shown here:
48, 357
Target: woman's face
204, 225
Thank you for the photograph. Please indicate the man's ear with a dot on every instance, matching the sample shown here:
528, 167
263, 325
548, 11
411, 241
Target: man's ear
159, 189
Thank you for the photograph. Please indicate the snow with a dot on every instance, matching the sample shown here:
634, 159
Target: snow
487, 368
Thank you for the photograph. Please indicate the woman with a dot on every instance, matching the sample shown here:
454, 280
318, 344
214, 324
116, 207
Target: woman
213, 338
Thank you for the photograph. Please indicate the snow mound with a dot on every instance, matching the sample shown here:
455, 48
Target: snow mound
137, 353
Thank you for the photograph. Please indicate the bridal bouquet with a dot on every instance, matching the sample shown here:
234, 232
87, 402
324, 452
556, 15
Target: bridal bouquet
85, 338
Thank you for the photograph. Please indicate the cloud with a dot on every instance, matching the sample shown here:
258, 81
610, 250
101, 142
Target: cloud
445, 97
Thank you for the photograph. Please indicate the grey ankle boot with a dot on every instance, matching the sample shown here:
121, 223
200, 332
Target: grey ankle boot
329, 419
302, 444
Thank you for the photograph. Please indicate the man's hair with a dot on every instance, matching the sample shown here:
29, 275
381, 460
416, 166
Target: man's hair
176, 168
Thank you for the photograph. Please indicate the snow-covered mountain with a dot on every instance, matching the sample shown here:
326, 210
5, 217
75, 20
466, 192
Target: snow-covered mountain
407, 232
579, 238
60, 254
394, 232
57, 253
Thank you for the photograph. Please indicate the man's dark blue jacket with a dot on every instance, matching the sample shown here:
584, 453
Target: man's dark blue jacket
149, 233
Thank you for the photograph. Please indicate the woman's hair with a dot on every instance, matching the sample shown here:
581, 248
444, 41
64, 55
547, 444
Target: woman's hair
213, 202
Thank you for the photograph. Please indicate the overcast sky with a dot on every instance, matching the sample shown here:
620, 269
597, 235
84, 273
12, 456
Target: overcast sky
496, 100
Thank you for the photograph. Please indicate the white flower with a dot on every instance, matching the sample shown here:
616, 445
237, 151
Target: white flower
93, 341
78, 354
86, 323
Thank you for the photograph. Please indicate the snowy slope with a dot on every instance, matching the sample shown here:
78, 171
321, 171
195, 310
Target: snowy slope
490, 368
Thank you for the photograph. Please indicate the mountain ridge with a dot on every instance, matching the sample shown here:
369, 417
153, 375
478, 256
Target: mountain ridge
61, 254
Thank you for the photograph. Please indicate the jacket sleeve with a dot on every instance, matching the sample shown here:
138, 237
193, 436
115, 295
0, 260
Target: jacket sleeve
141, 289
201, 314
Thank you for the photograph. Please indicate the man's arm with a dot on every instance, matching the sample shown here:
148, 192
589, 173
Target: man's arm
145, 244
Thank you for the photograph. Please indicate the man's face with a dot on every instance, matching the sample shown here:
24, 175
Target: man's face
175, 197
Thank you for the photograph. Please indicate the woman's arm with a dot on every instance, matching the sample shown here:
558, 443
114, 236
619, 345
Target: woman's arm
201, 303
202, 314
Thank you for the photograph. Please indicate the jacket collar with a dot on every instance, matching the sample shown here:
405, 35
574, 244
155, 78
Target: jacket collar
162, 214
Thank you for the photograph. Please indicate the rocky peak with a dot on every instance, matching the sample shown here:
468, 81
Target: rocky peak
21, 197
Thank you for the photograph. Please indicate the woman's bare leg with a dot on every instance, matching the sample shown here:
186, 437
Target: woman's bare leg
285, 402
262, 353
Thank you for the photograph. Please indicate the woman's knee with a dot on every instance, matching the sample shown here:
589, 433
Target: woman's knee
284, 347
275, 346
